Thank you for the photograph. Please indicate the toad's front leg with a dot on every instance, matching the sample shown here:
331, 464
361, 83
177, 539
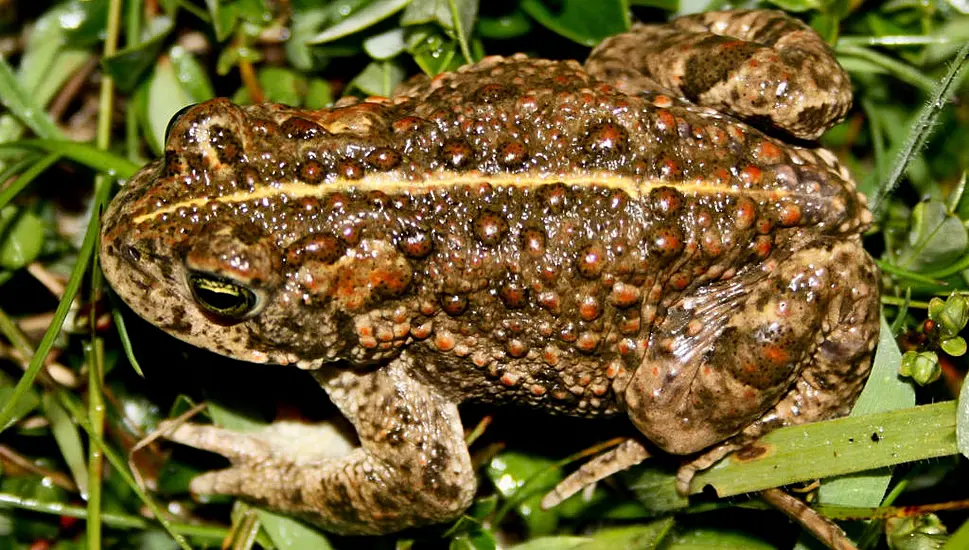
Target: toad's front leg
412, 468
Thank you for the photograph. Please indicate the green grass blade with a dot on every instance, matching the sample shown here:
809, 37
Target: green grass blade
88, 155
813, 451
77, 411
68, 441
60, 314
21, 104
9, 192
837, 447
925, 122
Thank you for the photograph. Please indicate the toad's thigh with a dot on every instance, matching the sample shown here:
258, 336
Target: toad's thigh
716, 365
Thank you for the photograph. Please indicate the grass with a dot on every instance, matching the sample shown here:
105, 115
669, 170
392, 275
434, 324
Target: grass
73, 402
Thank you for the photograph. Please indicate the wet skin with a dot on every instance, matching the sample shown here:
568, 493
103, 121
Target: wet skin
585, 240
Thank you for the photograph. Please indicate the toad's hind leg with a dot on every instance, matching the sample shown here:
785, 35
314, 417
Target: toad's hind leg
795, 348
761, 65
412, 468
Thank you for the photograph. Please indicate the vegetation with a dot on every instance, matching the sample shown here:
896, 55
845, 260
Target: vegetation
88, 88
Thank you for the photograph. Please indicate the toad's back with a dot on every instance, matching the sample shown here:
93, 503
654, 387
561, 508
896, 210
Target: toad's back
521, 220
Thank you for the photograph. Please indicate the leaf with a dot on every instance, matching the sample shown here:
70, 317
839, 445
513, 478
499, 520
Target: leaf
936, 238
192, 76
130, 64
824, 449
21, 237
580, 20
289, 534
386, 44
720, 538
508, 26
884, 391
552, 543
454, 15
68, 440
282, 85
475, 539
164, 97
512, 472
433, 52
306, 20
378, 78
369, 15
640, 537
962, 419
796, 6
224, 18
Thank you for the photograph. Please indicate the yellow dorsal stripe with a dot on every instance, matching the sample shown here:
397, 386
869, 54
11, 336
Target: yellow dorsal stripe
633, 187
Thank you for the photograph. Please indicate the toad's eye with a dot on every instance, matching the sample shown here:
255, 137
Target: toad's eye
222, 297
174, 120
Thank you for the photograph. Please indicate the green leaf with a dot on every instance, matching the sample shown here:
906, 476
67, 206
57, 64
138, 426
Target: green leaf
419, 12
454, 15
796, 6
433, 52
884, 391
289, 534
386, 44
224, 17
718, 539
282, 85
640, 537
192, 76
936, 238
130, 64
368, 16
68, 440
306, 21
552, 543
82, 21
475, 539
580, 20
21, 237
318, 94
164, 97
379, 78
512, 472
825, 449
513, 25
962, 420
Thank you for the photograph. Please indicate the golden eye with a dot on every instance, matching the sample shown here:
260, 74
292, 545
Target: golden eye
174, 120
222, 297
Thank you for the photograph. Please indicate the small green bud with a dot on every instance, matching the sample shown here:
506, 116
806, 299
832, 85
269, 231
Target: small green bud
955, 314
956, 346
936, 305
922, 367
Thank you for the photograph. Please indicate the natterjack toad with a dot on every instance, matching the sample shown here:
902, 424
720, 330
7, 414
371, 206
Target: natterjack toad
600, 240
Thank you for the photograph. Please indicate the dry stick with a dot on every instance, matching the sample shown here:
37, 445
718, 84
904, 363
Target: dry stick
822, 528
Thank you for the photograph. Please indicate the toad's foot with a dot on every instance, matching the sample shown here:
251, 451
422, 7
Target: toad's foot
627, 454
788, 344
412, 468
